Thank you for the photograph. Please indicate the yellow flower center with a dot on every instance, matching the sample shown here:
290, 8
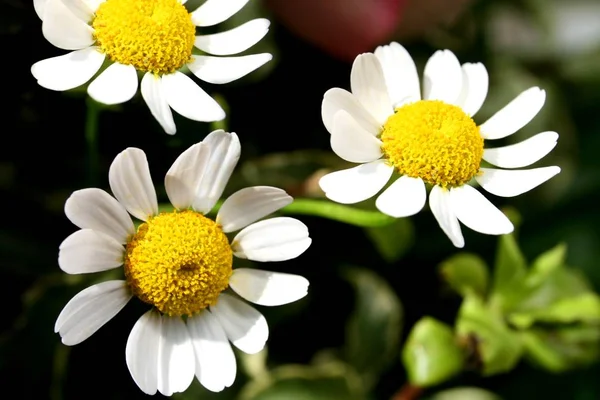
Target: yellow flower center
152, 35
179, 262
434, 141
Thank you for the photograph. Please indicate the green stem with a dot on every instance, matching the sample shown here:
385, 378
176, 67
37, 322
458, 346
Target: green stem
91, 139
337, 212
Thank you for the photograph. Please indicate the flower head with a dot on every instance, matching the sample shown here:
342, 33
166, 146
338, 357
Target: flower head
154, 38
387, 126
181, 264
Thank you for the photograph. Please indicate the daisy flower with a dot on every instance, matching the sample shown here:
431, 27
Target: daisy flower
430, 140
180, 263
154, 38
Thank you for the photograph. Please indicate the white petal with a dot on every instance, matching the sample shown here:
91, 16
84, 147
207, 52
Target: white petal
368, 85
142, 351
275, 239
115, 85
249, 205
400, 73
224, 154
524, 153
68, 71
90, 309
131, 184
514, 115
235, 40
176, 361
39, 6
80, 9
189, 100
475, 211
185, 175
509, 183
442, 78
219, 70
439, 202
63, 29
154, 96
268, 288
245, 326
474, 88
87, 251
356, 184
95, 209
351, 142
337, 99
215, 361
213, 12
403, 198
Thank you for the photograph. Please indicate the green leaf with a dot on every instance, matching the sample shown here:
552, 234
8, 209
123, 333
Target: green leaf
464, 393
584, 308
465, 273
497, 347
564, 348
393, 240
547, 262
300, 382
374, 328
431, 354
510, 270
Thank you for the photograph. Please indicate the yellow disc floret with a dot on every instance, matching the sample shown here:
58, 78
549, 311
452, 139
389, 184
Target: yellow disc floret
434, 141
179, 262
152, 35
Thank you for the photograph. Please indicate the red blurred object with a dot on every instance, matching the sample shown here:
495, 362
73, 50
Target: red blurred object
343, 28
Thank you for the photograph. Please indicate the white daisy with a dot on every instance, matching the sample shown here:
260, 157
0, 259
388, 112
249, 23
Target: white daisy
180, 262
387, 126
154, 37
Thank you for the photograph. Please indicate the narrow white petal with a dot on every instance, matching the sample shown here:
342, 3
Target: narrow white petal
403, 198
219, 70
142, 351
215, 361
524, 153
95, 209
268, 288
474, 88
400, 73
80, 9
442, 77
90, 309
39, 6
337, 99
351, 142
478, 213
214, 12
154, 96
368, 85
64, 29
87, 251
184, 176
115, 85
93, 4
439, 202
249, 205
509, 183
235, 40
356, 184
275, 239
224, 154
131, 184
68, 71
244, 325
514, 115
176, 361
189, 100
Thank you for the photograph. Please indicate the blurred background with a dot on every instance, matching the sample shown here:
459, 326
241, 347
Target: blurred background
354, 335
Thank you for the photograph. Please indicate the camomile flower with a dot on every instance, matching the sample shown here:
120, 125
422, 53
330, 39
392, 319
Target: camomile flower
180, 263
430, 140
154, 38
